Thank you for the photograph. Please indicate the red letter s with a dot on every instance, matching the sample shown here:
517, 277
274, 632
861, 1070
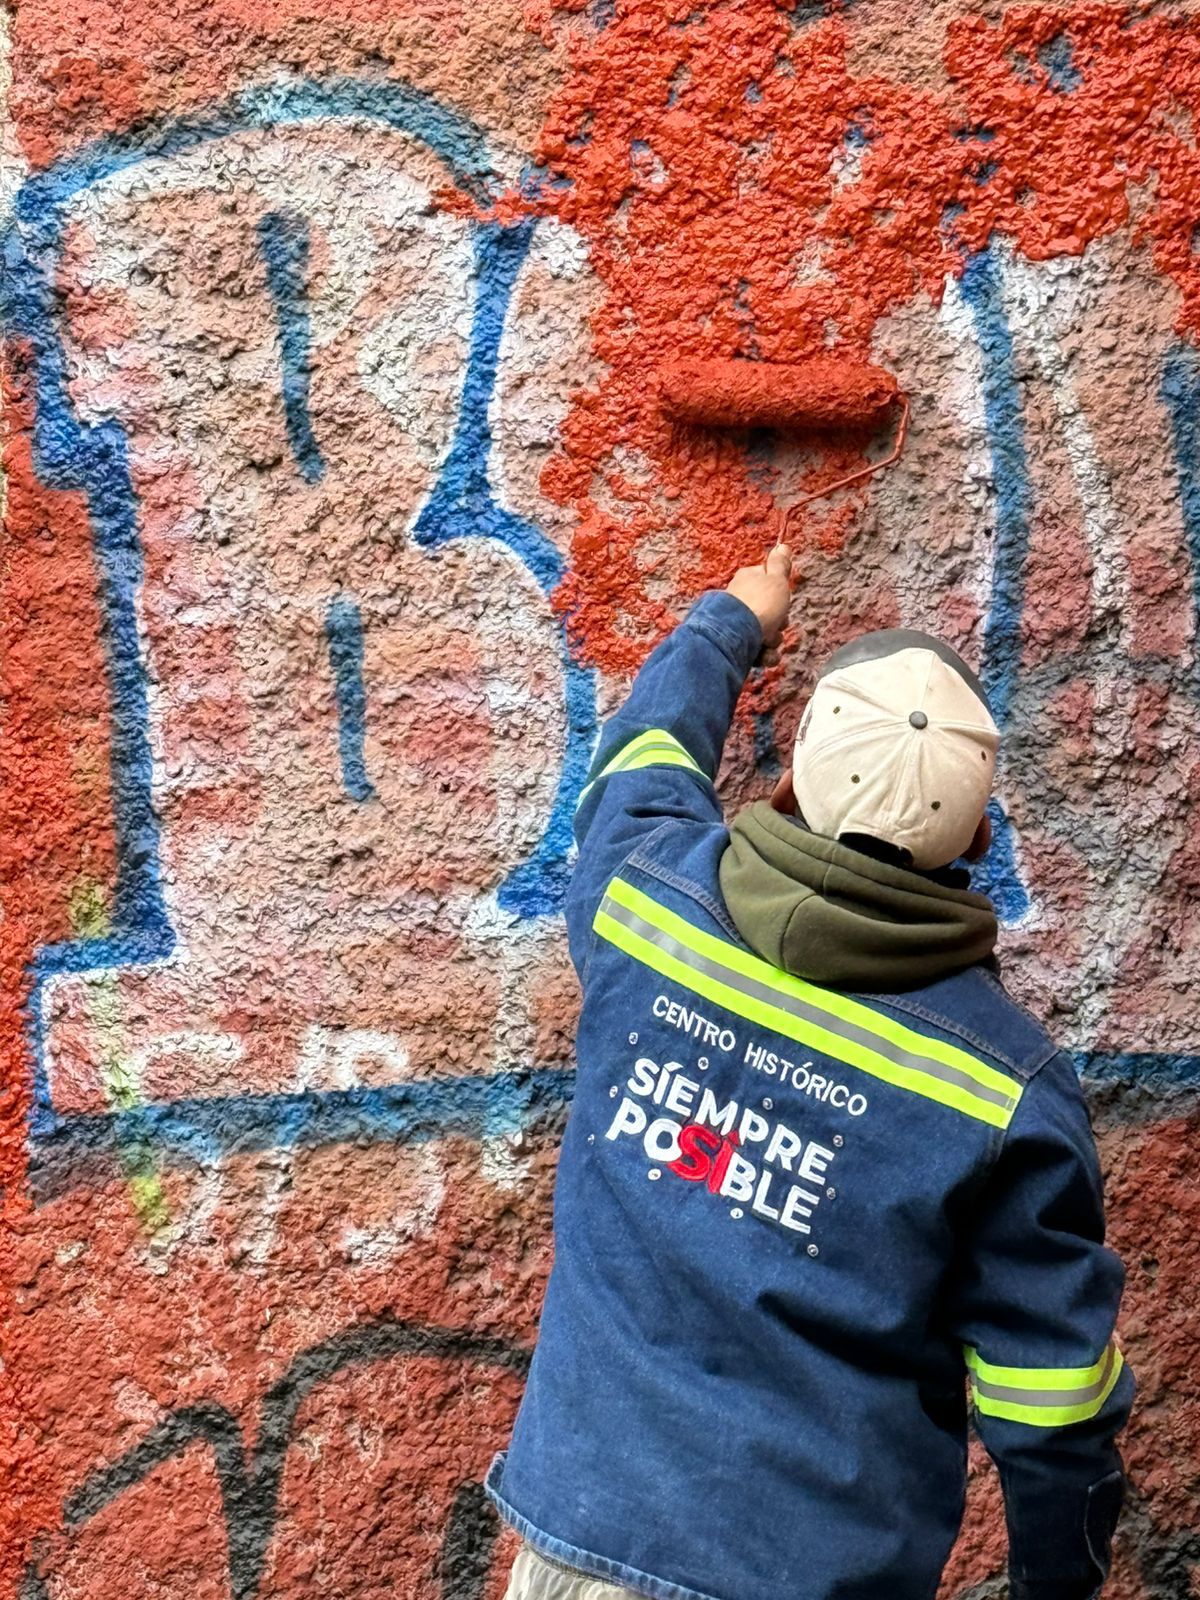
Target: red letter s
692, 1166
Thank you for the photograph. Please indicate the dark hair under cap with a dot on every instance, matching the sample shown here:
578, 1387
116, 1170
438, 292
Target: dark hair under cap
889, 642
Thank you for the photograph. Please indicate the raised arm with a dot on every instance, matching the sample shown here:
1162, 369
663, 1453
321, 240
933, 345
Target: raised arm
658, 755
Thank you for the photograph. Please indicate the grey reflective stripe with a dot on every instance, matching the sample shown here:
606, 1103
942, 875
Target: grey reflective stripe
794, 1006
1046, 1397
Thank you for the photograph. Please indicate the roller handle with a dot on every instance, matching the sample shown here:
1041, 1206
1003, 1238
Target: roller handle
783, 516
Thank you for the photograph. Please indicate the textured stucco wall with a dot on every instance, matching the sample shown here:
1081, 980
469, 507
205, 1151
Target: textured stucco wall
338, 510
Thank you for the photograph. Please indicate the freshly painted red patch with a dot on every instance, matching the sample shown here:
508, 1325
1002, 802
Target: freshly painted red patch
744, 195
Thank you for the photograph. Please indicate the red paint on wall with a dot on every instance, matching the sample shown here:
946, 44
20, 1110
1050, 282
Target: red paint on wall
742, 191
1071, 148
55, 854
698, 158
743, 194
93, 67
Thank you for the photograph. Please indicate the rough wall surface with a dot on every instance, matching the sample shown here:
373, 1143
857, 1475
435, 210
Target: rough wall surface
338, 510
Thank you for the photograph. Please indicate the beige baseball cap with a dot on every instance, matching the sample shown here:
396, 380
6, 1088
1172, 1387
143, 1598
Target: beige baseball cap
898, 743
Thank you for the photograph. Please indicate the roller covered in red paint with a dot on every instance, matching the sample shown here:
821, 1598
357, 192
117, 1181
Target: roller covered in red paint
823, 394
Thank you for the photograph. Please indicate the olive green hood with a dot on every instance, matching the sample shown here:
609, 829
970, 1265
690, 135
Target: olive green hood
837, 917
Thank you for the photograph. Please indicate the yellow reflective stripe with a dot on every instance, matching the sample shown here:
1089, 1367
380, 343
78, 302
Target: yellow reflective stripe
1038, 1377
1043, 1397
822, 999
651, 736
659, 756
913, 1060
780, 1022
654, 748
754, 989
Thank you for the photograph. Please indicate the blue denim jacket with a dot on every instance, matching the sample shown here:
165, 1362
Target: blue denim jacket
793, 1227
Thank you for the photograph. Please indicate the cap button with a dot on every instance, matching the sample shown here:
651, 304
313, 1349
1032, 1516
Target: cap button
918, 719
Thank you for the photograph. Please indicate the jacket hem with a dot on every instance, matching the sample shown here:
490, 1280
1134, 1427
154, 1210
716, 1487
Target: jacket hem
585, 1561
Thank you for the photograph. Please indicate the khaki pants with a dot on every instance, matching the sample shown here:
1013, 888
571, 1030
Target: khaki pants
535, 1578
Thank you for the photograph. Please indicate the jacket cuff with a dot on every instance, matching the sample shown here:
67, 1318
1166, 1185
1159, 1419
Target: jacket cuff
730, 624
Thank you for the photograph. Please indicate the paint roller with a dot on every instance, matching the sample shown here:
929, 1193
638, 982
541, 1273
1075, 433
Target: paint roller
823, 394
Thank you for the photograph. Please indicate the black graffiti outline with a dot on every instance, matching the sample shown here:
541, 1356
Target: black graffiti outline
250, 1493
249, 1484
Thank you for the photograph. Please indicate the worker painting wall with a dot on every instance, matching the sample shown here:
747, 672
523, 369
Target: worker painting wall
339, 509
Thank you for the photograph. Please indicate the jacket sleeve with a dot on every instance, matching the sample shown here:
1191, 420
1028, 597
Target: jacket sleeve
1035, 1306
658, 756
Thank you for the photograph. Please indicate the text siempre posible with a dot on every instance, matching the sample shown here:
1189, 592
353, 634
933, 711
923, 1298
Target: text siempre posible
712, 1145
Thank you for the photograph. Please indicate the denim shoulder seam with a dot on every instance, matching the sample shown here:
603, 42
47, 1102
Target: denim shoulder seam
915, 1009
688, 886
1037, 1059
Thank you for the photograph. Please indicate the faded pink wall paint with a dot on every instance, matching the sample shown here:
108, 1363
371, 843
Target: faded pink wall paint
322, 413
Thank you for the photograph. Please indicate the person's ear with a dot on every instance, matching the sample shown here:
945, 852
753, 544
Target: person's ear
783, 796
980, 840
